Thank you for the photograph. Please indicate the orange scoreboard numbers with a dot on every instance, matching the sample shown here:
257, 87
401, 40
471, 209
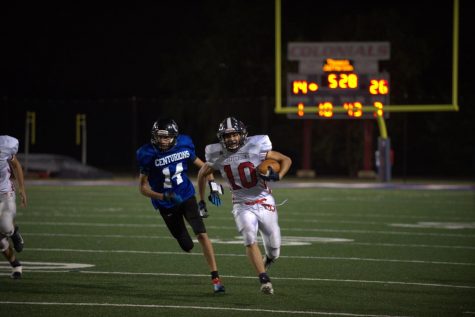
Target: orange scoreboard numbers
339, 90
325, 109
378, 87
342, 81
303, 87
353, 109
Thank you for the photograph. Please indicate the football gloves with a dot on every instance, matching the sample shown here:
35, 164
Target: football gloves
215, 190
202, 209
271, 176
173, 198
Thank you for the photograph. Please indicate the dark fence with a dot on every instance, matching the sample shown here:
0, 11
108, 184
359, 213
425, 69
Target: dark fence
428, 144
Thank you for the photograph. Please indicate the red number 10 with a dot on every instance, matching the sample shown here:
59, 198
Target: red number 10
245, 182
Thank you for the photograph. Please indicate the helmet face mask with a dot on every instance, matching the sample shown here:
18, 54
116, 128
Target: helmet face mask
165, 142
232, 141
164, 134
232, 134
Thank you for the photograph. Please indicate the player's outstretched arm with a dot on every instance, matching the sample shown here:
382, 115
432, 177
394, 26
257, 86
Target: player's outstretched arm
284, 161
201, 189
206, 174
203, 177
145, 189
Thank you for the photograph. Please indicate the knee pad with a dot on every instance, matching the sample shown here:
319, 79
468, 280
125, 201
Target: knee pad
185, 243
4, 244
273, 253
7, 234
249, 237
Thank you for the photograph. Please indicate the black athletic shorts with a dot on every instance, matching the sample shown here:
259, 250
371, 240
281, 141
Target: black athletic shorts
174, 218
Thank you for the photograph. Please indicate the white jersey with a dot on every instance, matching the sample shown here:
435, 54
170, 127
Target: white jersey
8, 148
240, 168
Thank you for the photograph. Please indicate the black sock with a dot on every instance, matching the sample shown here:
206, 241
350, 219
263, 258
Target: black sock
264, 278
15, 263
214, 274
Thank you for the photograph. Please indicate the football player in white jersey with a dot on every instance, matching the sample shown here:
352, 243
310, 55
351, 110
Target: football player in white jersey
237, 157
8, 165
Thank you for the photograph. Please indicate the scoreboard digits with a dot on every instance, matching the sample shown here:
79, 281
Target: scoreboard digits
347, 85
348, 90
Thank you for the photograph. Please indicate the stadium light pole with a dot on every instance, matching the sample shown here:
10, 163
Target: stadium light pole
30, 130
278, 57
81, 134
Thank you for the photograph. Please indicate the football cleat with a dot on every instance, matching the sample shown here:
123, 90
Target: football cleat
17, 240
16, 272
267, 289
16, 275
267, 262
218, 287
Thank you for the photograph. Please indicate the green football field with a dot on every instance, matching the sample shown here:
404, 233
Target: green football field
103, 251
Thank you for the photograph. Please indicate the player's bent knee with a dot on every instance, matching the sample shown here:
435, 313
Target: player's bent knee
274, 253
7, 234
4, 244
249, 237
249, 242
185, 243
202, 236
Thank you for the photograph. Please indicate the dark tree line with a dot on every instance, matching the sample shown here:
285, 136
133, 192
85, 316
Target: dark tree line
204, 60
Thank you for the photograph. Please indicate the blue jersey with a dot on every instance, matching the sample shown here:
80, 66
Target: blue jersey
167, 170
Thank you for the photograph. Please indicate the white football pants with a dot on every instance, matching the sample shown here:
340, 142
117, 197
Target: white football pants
7, 215
259, 216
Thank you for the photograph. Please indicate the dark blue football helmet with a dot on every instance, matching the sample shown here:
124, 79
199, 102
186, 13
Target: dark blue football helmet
164, 133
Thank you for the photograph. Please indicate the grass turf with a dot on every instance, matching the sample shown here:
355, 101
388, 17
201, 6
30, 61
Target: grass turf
346, 252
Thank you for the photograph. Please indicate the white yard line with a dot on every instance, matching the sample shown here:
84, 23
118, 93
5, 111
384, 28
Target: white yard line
292, 279
214, 308
217, 241
319, 217
157, 225
52, 267
242, 255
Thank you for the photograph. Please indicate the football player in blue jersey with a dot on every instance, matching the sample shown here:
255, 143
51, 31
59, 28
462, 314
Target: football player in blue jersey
163, 165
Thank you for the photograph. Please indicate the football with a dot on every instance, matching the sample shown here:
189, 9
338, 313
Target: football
263, 168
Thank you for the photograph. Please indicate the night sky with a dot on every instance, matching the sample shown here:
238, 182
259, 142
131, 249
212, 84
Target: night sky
202, 60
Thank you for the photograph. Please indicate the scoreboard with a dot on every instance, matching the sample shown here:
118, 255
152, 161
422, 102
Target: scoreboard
341, 83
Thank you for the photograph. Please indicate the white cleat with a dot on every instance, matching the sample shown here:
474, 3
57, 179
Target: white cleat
16, 272
267, 289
